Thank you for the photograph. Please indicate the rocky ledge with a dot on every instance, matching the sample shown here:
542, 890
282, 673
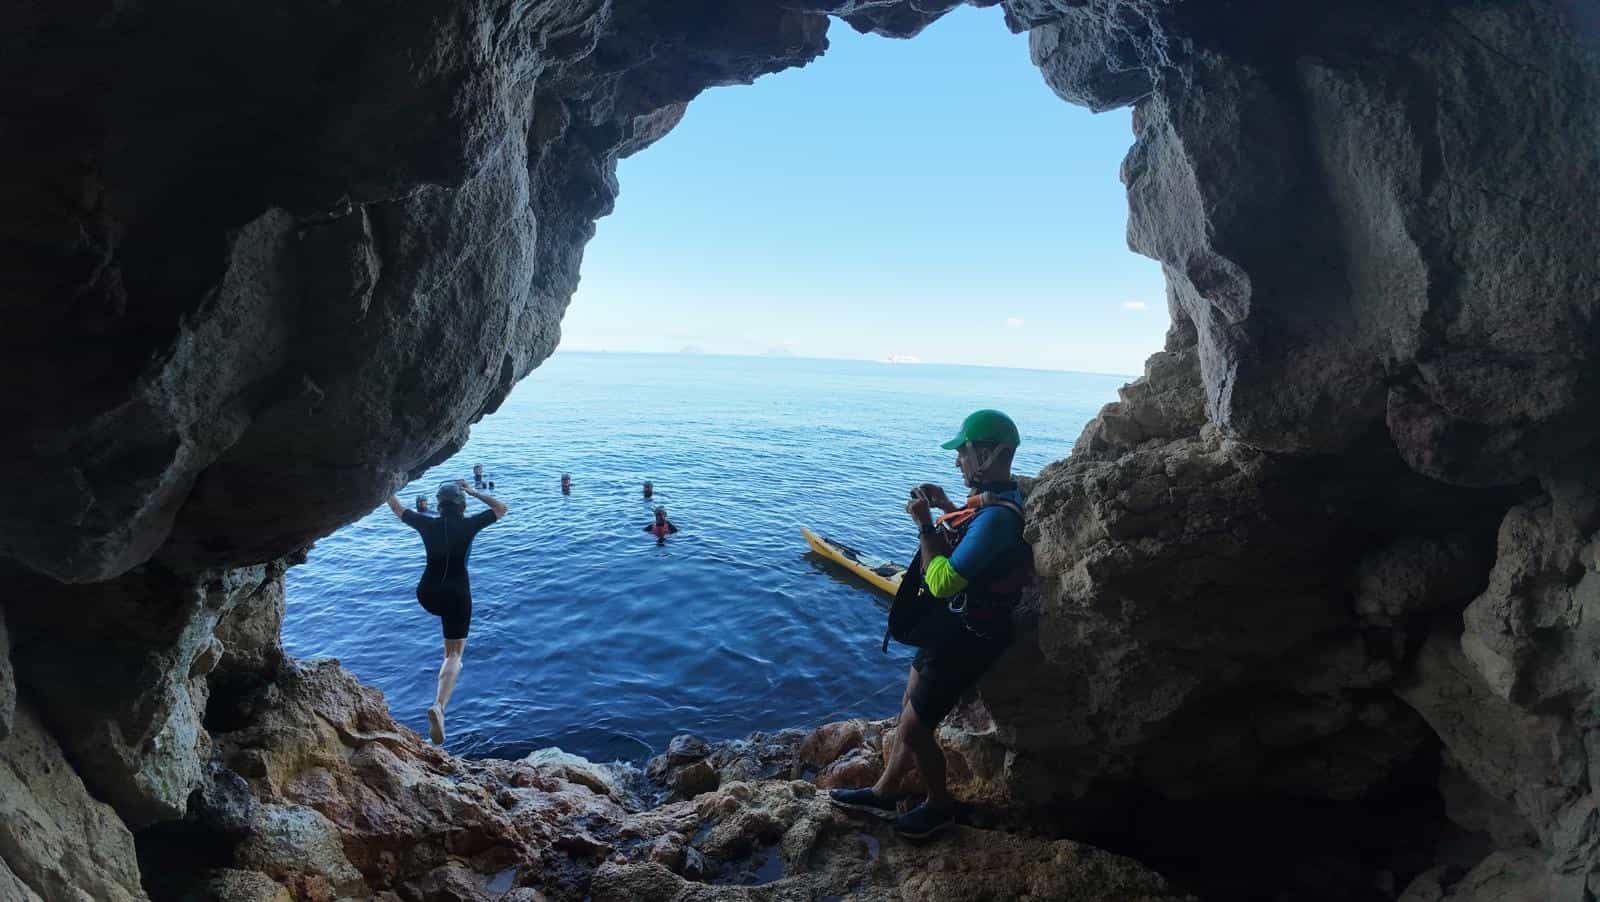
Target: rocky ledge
323, 796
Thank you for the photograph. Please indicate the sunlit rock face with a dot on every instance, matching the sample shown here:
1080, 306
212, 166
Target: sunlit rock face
1336, 548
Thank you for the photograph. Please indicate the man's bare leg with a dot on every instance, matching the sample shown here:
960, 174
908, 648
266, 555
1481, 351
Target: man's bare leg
924, 745
904, 755
448, 671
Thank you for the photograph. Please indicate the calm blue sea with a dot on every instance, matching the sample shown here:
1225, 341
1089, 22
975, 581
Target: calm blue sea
589, 635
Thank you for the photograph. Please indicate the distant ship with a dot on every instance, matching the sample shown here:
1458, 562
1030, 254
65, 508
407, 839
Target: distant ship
902, 358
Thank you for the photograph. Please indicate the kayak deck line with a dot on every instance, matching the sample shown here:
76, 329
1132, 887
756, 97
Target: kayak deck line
884, 577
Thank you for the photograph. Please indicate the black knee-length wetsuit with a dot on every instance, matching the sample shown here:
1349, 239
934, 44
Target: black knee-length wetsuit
444, 589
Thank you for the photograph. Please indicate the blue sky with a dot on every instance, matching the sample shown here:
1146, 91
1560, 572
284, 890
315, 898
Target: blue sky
929, 197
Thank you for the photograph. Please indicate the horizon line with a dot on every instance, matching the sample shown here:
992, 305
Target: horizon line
976, 366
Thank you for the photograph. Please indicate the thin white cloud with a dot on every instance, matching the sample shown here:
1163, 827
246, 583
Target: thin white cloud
1133, 305
1013, 322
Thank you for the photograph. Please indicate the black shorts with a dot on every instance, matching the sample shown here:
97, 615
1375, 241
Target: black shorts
947, 671
451, 604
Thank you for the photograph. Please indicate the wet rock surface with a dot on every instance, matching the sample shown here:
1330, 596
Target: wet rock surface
1327, 568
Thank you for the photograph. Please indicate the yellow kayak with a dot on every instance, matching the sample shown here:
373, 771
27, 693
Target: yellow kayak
885, 576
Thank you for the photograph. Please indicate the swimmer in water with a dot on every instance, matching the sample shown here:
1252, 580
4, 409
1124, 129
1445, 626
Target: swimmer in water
649, 490
444, 589
662, 527
422, 504
566, 483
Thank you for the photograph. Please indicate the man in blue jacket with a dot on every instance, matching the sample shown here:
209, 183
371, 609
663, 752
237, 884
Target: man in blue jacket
976, 563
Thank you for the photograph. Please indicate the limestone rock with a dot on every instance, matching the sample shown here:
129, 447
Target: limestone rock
815, 851
246, 886
1165, 404
56, 840
1512, 876
1527, 632
1475, 808
249, 632
1094, 59
299, 847
1507, 752
408, 817
691, 765
8, 680
384, 282
12, 887
1293, 337
351, 802
243, 682
121, 669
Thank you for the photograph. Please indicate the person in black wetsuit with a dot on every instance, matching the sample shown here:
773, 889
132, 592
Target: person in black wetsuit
444, 589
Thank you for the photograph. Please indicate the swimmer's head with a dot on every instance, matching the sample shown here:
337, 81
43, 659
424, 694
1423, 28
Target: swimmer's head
422, 503
477, 470
648, 489
661, 515
452, 500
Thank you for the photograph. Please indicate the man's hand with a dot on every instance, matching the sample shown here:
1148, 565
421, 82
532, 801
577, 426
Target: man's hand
917, 507
936, 496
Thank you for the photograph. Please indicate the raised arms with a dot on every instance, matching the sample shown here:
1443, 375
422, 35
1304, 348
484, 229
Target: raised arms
493, 502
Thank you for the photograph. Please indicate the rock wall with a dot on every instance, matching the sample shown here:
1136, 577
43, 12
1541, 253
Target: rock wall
1337, 544
56, 841
1370, 225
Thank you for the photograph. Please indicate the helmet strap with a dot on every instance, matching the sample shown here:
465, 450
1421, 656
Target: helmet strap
982, 472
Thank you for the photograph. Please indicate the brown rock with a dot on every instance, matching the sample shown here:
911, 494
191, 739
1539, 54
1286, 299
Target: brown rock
829, 742
670, 851
681, 751
694, 779
857, 768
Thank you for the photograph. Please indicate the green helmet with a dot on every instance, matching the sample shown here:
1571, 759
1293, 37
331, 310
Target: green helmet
985, 426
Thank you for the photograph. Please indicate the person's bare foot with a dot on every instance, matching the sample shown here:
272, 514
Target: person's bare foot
436, 724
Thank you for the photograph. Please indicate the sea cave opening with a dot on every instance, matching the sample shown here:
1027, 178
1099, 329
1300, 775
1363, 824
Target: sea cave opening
803, 285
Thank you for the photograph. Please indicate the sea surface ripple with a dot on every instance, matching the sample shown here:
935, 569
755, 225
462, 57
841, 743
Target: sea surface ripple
589, 635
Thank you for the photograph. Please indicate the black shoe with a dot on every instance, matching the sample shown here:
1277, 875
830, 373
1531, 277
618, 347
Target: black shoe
862, 800
925, 820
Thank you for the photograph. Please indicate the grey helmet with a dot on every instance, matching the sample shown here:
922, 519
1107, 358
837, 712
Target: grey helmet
449, 491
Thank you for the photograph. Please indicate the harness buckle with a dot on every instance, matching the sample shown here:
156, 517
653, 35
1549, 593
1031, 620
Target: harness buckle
952, 604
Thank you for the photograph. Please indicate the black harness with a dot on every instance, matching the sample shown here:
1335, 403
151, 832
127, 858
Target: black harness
917, 617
